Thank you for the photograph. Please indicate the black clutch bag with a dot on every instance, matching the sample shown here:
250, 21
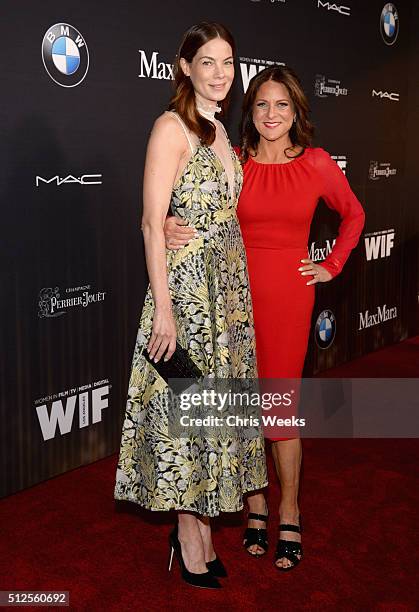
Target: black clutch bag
179, 366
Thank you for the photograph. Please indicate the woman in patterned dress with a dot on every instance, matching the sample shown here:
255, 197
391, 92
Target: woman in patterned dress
199, 297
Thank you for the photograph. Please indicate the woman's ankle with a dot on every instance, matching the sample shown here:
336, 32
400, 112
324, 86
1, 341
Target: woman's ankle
289, 513
204, 527
257, 503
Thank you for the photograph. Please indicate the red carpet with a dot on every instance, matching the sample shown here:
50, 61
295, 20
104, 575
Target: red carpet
359, 502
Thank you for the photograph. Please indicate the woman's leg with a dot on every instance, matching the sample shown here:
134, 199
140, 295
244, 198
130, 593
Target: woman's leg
287, 456
204, 526
191, 543
257, 504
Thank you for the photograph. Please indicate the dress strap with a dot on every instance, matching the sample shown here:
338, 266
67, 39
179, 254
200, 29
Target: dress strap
184, 129
224, 130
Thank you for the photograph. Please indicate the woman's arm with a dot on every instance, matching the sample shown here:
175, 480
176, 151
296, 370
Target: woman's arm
339, 196
165, 149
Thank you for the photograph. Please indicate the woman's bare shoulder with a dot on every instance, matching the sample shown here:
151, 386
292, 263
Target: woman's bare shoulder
168, 130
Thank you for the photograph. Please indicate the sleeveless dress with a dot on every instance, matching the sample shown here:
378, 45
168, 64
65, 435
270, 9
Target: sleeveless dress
212, 307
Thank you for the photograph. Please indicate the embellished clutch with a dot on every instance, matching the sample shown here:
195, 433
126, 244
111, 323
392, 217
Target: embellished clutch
179, 366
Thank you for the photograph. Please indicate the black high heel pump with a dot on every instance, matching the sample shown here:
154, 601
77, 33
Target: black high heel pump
207, 580
217, 569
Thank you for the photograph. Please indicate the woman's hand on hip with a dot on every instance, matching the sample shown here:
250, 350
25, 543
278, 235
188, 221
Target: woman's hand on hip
163, 336
178, 233
320, 274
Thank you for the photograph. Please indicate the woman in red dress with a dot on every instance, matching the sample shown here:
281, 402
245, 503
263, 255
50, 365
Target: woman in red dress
284, 178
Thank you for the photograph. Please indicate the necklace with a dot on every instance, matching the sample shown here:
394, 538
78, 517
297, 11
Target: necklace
208, 111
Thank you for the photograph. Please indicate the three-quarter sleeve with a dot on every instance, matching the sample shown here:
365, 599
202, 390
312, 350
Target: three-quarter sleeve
338, 195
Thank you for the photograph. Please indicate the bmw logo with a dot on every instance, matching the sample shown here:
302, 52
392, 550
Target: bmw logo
325, 329
389, 24
65, 55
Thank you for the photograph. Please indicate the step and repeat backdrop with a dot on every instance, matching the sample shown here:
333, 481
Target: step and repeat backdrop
82, 84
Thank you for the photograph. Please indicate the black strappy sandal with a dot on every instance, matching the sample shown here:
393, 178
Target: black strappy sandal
288, 549
253, 535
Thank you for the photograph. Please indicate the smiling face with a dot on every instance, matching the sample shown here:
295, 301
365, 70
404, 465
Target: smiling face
211, 71
273, 111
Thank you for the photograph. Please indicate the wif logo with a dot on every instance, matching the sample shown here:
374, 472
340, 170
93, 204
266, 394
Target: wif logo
343, 10
250, 67
153, 69
341, 161
90, 402
379, 244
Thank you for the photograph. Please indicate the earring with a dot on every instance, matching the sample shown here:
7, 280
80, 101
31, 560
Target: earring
295, 118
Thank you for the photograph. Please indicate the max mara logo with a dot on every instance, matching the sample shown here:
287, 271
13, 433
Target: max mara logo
151, 68
382, 314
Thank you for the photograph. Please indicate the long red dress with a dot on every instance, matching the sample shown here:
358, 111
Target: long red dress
275, 210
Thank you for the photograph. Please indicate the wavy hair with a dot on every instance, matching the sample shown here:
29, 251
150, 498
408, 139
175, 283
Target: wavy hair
301, 132
183, 100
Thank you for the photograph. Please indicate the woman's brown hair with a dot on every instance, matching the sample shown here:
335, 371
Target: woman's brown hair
301, 132
183, 100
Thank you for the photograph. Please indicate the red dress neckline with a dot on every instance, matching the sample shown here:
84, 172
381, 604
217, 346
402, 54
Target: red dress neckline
292, 161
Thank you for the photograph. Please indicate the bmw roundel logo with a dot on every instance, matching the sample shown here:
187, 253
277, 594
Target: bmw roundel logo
389, 23
325, 329
65, 55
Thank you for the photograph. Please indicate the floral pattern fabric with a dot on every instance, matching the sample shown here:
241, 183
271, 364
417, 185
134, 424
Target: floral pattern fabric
211, 301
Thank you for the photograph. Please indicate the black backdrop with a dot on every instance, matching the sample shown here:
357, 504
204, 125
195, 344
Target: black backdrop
71, 160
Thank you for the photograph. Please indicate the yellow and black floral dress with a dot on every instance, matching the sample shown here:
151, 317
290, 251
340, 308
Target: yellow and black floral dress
211, 302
